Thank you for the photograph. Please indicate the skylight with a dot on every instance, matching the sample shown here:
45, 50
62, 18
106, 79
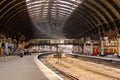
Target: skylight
51, 11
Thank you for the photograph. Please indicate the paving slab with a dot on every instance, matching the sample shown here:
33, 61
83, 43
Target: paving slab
17, 68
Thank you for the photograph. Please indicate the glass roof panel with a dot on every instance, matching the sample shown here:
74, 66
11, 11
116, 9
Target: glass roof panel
43, 6
66, 2
49, 11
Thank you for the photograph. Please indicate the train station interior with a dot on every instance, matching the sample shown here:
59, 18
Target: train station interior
60, 40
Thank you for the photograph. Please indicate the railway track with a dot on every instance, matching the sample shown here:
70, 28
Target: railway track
68, 76
107, 62
64, 75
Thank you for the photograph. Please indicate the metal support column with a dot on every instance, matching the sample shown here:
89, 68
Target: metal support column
102, 47
119, 45
91, 47
84, 48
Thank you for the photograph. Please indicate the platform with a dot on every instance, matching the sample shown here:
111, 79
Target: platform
99, 57
17, 68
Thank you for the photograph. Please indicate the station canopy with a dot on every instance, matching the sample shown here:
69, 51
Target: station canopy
60, 19
49, 16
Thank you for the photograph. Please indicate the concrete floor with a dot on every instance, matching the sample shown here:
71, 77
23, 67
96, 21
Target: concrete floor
17, 68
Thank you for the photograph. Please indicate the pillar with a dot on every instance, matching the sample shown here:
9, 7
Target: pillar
91, 47
0, 47
84, 48
119, 46
102, 47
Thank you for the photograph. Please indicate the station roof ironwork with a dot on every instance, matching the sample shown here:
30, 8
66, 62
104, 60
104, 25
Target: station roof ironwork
51, 13
72, 19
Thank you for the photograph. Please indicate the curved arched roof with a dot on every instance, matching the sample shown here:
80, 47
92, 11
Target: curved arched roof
94, 18
59, 18
53, 12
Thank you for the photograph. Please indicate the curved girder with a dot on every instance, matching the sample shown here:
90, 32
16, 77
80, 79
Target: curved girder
11, 17
109, 22
90, 15
117, 3
12, 7
84, 19
4, 16
2, 2
69, 3
102, 9
87, 18
9, 10
83, 24
97, 13
14, 13
108, 8
62, 15
92, 18
85, 13
81, 18
35, 10
44, 19
112, 8
59, 6
32, 7
38, 9
65, 12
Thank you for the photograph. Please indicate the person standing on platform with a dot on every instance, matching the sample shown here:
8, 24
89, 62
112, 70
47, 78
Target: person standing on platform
5, 54
21, 52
